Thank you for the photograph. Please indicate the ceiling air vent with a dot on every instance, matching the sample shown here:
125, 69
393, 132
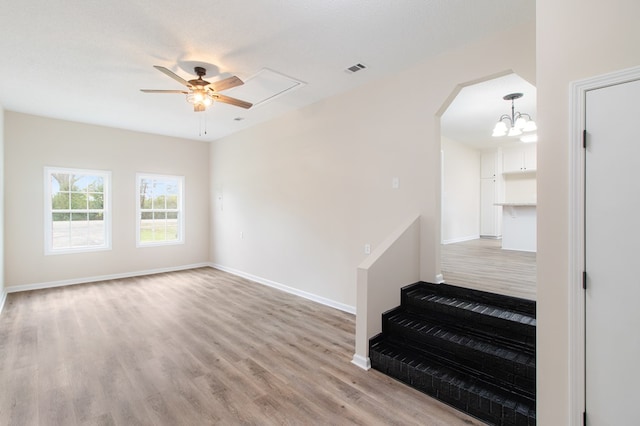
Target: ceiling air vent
355, 68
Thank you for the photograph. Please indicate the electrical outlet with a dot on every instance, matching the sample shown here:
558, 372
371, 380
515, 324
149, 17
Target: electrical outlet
395, 183
367, 249
241, 235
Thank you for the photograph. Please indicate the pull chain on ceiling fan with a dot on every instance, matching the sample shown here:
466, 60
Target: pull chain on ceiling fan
201, 93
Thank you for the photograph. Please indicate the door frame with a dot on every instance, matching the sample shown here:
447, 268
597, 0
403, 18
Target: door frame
577, 330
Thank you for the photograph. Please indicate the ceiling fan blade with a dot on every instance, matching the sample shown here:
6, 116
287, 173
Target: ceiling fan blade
173, 75
225, 84
163, 91
232, 101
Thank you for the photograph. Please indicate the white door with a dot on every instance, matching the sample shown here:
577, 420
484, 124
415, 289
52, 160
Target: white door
488, 165
487, 207
612, 252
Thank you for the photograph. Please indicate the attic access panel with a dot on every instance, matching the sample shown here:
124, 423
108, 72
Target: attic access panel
265, 86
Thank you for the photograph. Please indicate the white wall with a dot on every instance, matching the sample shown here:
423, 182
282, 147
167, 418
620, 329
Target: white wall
31, 143
460, 192
520, 188
2, 173
575, 40
393, 265
308, 190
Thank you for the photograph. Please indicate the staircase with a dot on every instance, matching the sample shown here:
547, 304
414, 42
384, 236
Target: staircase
470, 349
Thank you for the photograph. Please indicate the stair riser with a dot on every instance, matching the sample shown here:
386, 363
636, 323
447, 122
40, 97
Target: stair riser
518, 375
512, 303
449, 391
491, 326
488, 370
510, 341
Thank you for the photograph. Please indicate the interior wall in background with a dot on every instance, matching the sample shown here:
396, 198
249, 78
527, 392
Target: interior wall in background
32, 142
575, 40
296, 200
2, 177
520, 188
460, 192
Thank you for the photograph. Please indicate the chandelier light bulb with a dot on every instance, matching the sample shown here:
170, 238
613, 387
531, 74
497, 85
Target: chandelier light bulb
530, 126
521, 122
500, 129
514, 131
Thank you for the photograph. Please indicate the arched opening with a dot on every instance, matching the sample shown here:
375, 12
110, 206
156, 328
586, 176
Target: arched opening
488, 190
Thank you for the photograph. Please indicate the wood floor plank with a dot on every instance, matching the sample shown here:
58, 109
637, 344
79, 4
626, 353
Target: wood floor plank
199, 347
55, 407
481, 264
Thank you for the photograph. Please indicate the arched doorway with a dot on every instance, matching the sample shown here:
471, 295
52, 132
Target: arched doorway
488, 193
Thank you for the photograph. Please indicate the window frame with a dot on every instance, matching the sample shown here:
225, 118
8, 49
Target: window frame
49, 210
180, 210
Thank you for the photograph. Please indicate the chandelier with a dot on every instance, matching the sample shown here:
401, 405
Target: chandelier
516, 123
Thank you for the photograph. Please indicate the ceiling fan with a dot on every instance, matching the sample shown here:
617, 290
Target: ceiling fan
201, 93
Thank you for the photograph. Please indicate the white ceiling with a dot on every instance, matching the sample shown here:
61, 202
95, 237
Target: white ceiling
86, 60
475, 110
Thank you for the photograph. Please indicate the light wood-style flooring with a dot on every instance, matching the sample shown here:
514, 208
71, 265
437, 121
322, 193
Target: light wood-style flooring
483, 265
195, 347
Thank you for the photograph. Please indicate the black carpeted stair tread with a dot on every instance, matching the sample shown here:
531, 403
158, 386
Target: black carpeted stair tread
480, 316
484, 400
479, 308
511, 366
419, 326
509, 303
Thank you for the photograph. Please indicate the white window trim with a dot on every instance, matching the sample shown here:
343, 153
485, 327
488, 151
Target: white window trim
181, 210
48, 248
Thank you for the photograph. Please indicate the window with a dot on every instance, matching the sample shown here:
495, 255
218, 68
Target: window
159, 210
77, 216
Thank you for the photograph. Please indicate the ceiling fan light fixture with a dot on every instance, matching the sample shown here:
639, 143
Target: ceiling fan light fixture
201, 93
199, 99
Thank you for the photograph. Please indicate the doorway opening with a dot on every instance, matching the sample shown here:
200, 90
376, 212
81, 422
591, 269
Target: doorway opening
488, 190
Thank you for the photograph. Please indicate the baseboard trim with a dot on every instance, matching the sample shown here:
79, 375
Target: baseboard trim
363, 362
461, 239
86, 280
3, 298
519, 249
310, 296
